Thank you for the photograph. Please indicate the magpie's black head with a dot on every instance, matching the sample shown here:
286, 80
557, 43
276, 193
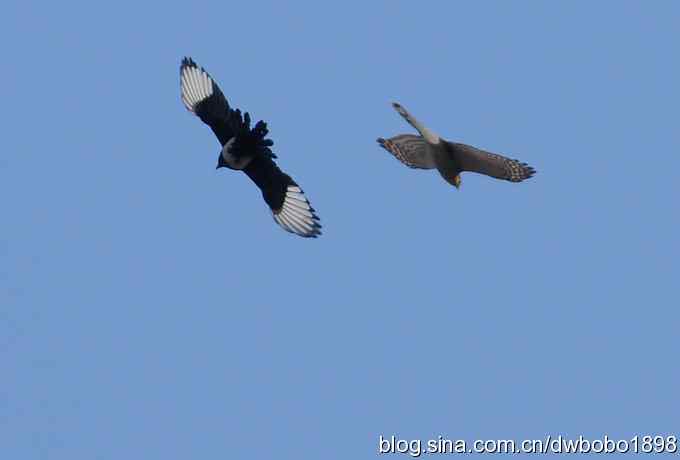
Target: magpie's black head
220, 162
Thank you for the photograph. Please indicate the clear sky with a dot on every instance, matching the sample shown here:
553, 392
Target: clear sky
151, 308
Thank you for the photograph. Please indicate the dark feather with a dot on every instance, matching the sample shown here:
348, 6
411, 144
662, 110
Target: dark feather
270, 179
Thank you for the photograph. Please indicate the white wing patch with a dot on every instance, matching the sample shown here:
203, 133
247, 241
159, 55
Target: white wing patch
297, 215
196, 86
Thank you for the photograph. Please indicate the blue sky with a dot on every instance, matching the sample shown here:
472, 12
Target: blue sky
151, 308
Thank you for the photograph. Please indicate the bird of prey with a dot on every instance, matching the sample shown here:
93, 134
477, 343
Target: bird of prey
247, 149
429, 151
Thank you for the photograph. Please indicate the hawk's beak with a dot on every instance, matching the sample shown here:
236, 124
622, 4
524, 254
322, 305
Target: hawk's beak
456, 182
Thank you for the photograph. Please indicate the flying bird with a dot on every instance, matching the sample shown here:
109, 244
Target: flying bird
429, 151
247, 149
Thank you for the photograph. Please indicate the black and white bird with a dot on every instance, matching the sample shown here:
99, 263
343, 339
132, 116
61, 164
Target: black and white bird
429, 151
247, 149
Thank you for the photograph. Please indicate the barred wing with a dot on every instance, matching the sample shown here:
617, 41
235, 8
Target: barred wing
410, 149
475, 160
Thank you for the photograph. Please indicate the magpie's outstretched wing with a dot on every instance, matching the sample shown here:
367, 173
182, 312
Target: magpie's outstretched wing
290, 207
202, 96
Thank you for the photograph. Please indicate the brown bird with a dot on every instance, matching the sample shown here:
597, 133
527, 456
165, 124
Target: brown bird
429, 151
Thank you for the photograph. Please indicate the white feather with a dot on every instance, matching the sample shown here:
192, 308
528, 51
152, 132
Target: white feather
192, 81
301, 212
296, 228
207, 84
189, 84
300, 221
188, 93
303, 205
296, 196
286, 223
196, 86
296, 215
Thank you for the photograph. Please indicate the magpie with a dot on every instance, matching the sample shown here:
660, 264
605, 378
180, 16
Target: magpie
247, 149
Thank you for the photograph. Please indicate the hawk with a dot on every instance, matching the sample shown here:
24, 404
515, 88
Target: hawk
429, 151
247, 149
